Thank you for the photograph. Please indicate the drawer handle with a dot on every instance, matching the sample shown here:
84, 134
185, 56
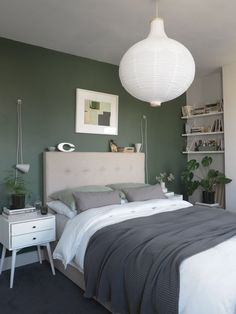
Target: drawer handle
34, 227
34, 238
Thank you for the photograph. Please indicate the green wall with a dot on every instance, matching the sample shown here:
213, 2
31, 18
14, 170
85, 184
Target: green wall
46, 81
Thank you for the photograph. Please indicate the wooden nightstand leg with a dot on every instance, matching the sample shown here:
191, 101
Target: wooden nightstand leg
2, 258
13, 262
50, 258
39, 254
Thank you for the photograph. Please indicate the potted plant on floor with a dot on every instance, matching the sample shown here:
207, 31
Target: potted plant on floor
16, 186
208, 181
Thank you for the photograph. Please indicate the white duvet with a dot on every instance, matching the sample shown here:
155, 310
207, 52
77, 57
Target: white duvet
207, 279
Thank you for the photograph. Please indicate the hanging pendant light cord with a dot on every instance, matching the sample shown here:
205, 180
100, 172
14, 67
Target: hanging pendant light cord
19, 150
157, 9
144, 141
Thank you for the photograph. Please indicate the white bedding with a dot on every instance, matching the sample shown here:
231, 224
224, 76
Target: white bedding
207, 279
61, 221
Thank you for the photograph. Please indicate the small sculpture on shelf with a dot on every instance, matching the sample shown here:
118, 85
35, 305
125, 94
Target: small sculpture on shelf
210, 145
113, 146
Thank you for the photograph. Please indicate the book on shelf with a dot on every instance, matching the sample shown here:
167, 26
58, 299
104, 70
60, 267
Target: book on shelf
217, 126
212, 108
198, 110
10, 212
197, 129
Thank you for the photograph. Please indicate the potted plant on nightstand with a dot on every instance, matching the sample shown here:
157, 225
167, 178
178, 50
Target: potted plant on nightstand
164, 178
208, 182
16, 186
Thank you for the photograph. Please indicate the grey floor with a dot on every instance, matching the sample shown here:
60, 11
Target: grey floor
37, 291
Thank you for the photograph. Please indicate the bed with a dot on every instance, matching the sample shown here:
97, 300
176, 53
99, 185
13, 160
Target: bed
68, 170
217, 264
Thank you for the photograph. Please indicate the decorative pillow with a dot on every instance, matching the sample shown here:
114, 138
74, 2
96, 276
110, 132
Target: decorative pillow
120, 186
144, 193
66, 196
61, 208
86, 200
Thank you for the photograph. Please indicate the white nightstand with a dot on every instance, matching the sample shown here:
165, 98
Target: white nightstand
24, 230
173, 196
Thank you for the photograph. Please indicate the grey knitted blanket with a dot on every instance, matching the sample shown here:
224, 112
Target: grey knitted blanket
134, 264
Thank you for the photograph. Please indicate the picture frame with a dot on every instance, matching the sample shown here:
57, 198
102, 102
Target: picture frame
96, 112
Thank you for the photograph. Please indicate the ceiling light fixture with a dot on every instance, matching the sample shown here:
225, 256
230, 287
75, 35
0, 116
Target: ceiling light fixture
158, 68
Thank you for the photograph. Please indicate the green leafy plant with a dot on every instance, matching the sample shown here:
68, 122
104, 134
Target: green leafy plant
187, 177
165, 177
208, 181
15, 185
212, 177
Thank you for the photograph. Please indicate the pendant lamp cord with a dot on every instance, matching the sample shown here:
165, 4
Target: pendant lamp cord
19, 150
144, 141
157, 9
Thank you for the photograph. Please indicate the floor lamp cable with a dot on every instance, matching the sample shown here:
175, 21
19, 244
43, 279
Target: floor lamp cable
144, 140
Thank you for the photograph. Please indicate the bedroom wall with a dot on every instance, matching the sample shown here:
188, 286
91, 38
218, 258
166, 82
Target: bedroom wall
205, 90
46, 81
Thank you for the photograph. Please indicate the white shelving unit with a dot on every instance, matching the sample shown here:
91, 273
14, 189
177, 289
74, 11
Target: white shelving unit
203, 133
203, 115
205, 122
206, 152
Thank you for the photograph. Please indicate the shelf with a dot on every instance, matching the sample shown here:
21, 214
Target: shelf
205, 152
203, 115
203, 133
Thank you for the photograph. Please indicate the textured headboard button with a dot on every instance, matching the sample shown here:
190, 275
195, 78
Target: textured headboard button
86, 170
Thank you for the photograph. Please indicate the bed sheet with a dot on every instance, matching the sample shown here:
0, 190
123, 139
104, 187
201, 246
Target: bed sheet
207, 279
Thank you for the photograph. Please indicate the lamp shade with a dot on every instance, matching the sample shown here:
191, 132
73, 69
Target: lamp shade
157, 69
24, 168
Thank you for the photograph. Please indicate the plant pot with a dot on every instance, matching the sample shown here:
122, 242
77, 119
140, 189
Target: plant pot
163, 187
17, 201
208, 197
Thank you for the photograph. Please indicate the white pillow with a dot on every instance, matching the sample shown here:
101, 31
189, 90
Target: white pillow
61, 208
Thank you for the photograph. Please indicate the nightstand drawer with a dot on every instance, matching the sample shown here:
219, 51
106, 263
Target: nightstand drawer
32, 226
33, 238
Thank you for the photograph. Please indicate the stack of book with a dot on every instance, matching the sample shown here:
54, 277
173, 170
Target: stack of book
217, 126
197, 129
198, 110
6, 212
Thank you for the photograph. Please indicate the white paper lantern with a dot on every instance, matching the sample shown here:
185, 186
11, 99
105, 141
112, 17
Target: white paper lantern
157, 69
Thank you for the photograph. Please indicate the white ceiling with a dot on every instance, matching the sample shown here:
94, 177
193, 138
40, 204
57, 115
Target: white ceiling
104, 29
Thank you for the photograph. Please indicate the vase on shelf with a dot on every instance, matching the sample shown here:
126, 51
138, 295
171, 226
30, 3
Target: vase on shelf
163, 186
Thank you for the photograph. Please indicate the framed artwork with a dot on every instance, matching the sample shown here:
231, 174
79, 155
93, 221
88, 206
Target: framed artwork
96, 113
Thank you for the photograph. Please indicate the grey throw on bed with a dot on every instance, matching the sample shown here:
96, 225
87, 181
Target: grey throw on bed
134, 264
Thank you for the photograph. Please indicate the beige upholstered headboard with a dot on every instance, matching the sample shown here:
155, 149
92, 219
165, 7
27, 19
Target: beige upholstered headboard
68, 170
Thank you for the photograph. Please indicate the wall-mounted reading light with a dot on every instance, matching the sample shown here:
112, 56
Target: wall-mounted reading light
20, 165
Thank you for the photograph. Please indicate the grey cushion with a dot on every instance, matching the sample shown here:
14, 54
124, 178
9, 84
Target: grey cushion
121, 186
66, 196
62, 209
144, 193
87, 200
